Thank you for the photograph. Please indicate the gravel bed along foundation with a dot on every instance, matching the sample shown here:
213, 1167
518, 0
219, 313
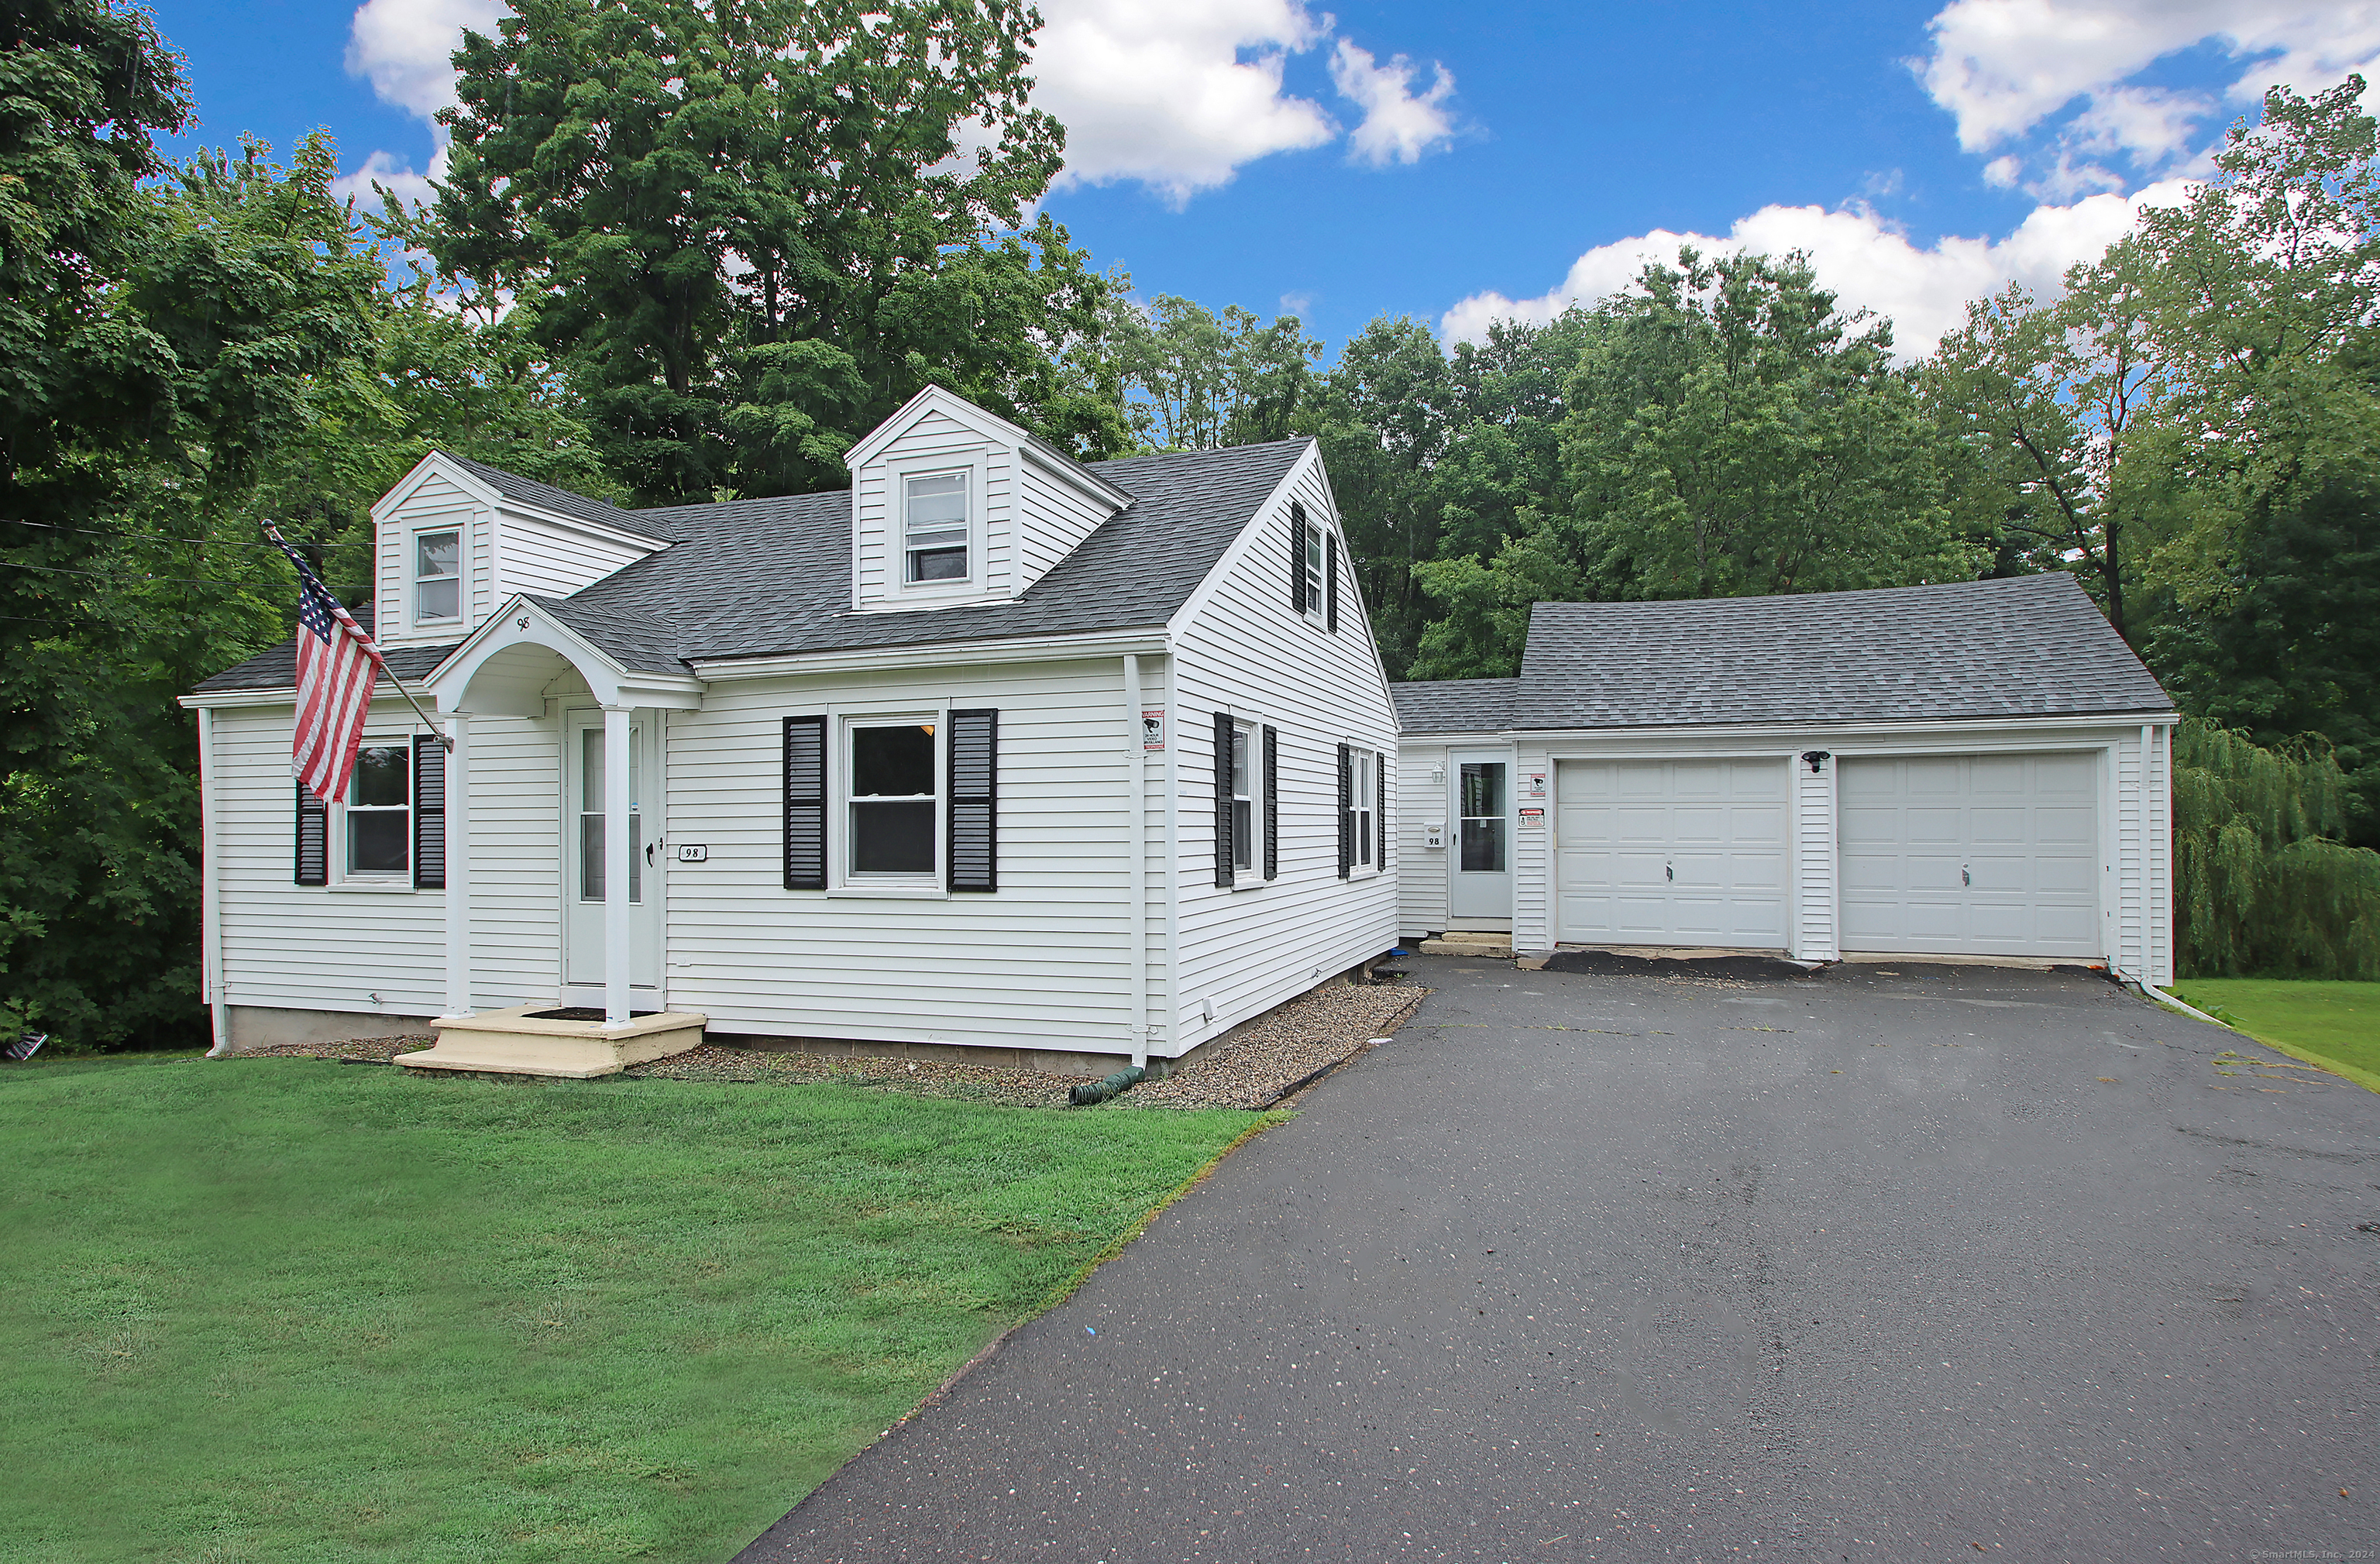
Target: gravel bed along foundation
379, 1050
1268, 1057
927, 1077
1278, 1051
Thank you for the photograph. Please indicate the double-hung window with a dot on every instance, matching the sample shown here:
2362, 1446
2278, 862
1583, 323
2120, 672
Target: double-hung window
1246, 760
380, 813
1317, 545
894, 826
934, 527
1363, 780
437, 576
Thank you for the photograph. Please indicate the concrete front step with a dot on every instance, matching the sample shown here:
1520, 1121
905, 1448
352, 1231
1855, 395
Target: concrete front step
1495, 946
521, 1041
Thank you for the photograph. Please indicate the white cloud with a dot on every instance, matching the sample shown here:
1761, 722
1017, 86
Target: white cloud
2002, 173
382, 168
1161, 93
403, 47
2002, 66
1397, 126
1867, 264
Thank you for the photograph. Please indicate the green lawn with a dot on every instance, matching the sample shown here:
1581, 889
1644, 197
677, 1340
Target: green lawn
286, 1309
2328, 1022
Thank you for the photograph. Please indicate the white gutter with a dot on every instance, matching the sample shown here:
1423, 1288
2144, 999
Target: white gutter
1137, 769
1081, 647
211, 973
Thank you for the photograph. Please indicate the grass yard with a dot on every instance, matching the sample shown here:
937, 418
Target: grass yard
286, 1309
2328, 1022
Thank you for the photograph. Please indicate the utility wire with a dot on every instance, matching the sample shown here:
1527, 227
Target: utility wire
175, 580
155, 538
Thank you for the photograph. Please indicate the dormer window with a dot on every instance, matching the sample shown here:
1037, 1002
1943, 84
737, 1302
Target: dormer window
437, 576
934, 527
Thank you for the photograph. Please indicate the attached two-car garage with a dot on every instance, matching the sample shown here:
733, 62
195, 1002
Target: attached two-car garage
1979, 768
1940, 855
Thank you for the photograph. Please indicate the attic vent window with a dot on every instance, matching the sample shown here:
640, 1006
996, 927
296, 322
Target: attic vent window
934, 527
437, 576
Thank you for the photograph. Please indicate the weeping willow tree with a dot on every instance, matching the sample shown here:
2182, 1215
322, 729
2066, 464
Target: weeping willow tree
2262, 883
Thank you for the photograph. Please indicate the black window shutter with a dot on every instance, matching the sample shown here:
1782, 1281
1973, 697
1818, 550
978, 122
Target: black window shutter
1330, 576
1297, 556
429, 813
1380, 809
805, 803
1223, 800
313, 838
974, 801
1346, 810
1273, 802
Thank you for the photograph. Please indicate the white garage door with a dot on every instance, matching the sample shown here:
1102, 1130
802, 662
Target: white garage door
1972, 854
1671, 852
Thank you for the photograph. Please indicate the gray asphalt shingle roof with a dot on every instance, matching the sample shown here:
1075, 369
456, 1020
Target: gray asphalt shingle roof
562, 501
757, 577
2030, 646
1454, 706
276, 668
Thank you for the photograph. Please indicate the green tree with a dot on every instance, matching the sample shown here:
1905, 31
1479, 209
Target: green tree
171, 340
1197, 382
749, 231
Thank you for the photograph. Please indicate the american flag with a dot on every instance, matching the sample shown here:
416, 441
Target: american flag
336, 665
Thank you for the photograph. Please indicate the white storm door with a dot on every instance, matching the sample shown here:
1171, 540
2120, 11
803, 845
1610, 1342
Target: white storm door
588, 818
1678, 853
1972, 854
1479, 861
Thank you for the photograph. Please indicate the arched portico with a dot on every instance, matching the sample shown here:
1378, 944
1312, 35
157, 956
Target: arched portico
506, 668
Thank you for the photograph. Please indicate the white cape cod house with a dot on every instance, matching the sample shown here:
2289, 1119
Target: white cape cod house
1976, 770
1087, 763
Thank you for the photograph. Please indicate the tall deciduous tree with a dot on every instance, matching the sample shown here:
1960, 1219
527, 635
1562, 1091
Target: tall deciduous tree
749, 229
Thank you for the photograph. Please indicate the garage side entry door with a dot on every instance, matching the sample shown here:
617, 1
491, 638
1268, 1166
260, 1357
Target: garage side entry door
1972, 854
1671, 852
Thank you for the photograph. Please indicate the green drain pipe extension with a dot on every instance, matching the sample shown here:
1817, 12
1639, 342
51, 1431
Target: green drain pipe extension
1084, 1094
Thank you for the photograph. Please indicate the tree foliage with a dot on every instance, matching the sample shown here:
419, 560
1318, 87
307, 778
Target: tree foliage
2262, 883
749, 230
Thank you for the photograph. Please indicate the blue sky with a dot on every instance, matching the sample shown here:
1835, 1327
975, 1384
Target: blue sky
1455, 163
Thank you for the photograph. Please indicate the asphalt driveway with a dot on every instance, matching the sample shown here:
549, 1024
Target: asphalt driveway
1916, 1263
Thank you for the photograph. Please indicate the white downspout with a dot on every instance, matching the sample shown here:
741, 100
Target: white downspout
1172, 868
210, 966
1137, 770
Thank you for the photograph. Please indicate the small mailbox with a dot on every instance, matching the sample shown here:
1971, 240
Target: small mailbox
1434, 834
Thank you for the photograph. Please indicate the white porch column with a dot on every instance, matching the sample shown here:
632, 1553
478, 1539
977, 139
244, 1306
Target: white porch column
458, 865
618, 850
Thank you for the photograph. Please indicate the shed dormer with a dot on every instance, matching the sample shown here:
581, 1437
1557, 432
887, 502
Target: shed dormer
952, 506
456, 539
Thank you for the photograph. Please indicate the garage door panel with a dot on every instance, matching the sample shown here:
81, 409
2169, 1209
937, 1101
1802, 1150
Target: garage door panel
1992, 854
1696, 850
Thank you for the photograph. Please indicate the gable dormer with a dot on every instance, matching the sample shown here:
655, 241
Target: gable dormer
952, 506
456, 539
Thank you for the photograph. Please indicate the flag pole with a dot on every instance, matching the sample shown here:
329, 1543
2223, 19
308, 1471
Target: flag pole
445, 741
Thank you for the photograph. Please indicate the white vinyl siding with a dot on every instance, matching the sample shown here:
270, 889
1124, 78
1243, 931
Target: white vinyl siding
294, 947
1420, 780
436, 505
1041, 964
1682, 853
1058, 516
1245, 651
550, 559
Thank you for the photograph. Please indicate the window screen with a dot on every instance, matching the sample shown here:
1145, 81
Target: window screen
893, 793
935, 527
380, 812
437, 575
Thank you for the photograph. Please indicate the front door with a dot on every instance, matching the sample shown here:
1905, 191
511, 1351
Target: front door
588, 818
1479, 868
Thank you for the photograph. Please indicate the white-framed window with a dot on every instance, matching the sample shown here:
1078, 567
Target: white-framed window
935, 529
1364, 775
594, 819
893, 801
437, 576
378, 821
1317, 545
1248, 785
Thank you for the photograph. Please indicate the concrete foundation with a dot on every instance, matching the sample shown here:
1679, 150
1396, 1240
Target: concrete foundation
259, 1026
